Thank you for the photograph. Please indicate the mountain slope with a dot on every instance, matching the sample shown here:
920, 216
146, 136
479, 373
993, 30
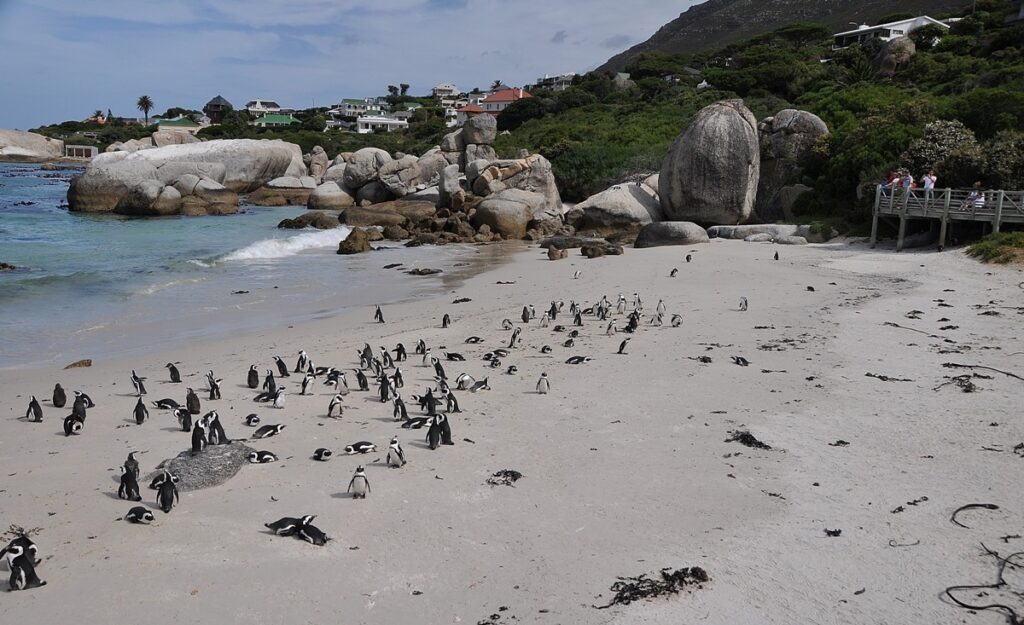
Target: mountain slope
715, 23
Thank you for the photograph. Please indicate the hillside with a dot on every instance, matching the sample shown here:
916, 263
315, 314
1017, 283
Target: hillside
716, 23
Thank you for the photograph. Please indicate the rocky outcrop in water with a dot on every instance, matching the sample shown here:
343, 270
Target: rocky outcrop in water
28, 147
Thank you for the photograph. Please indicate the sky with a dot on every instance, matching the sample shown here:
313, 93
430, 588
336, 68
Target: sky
67, 58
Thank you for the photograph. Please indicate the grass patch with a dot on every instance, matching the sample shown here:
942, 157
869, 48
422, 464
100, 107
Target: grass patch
1001, 247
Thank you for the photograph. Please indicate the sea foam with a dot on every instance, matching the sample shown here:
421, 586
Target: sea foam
288, 246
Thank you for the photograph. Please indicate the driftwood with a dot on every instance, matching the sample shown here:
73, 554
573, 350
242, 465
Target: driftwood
885, 378
970, 506
954, 365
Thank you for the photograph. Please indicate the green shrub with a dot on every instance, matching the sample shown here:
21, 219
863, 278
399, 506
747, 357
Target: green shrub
1000, 247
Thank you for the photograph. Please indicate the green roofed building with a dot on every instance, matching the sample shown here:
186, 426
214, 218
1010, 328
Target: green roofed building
275, 121
181, 123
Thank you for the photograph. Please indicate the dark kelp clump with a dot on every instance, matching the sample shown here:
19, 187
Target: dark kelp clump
630, 589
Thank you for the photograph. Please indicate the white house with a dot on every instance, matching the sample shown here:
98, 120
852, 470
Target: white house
259, 107
353, 107
558, 82
444, 90
370, 123
885, 32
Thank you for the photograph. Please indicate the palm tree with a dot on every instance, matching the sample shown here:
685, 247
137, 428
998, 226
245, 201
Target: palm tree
495, 85
145, 104
97, 114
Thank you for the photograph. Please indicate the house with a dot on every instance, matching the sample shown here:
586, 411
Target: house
498, 101
354, 107
559, 82
83, 152
257, 107
444, 90
463, 114
216, 108
178, 124
274, 120
370, 123
885, 32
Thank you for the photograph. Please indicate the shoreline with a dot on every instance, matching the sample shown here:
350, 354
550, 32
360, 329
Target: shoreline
626, 468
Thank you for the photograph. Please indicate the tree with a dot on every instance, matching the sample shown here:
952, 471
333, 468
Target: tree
110, 116
495, 85
97, 114
315, 122
392, 90
404, 89
145, 104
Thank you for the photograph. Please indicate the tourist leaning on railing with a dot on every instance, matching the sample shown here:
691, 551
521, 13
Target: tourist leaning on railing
976, 198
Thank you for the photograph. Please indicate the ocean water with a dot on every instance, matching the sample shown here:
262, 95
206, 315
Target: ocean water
89, 286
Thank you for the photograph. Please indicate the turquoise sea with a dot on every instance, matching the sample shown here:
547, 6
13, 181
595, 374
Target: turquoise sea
89, 285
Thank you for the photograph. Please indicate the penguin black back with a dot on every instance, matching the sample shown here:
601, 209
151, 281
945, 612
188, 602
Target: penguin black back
60, 398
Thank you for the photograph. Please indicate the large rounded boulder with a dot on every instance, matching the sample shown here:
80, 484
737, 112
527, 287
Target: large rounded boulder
480, 130
625, 206
670, 233
711, 171
28, 147
508, 213
329, 196
364, 167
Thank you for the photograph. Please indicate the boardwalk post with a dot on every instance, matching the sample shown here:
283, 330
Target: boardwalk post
903, 221
874, 215
945, 219
999, 212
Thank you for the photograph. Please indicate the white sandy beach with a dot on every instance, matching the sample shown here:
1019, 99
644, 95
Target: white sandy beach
626, 468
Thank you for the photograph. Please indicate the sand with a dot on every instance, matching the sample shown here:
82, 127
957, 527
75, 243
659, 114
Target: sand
626, 465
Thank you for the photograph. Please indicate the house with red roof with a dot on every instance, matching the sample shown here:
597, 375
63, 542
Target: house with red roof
497, 101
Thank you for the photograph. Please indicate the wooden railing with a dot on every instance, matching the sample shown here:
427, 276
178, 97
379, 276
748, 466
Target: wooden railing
992, 206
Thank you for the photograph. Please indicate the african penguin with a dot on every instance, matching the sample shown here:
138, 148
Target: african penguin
359, 486
175, 374
362, 447
139, 514
262, 457
322, 454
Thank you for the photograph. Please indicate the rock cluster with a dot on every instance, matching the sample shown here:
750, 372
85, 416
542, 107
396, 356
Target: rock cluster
786, 138
28, 147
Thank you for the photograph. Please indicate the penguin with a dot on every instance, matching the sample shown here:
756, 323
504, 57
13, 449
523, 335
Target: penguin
512, 370
546, 349
811, 289
677, 320
359, 486
543, 384
184, 418
214, 384
526, 315
266, 431
287, 526
473, 340
166, 495
282, 368
262, 457
515, 338
378, 315
30, 548
660, 308
740, 360
60, 398
35, 411
137, 382
322, 454
364, 384
198, 437
129, 488
427, 357
743, 304
421, 347
415, 423
72, 425
175, 374
166, 404
139, 514
658, 319
141, 412
482, 385
544, 320
23, 571
673, 273
253, 377
302, 364
506, 324
398, 379
384, 387
279, 397
313, 534
433, 437
776, 256
438, 369
216, 434
400, 413
689, 258
577, 274
192, 402
252, 420
396, 456
362, 447
577, 319
163, 476
79, 406
385, 358
577, 360
400, 354
336, 403
446, 320
452, 402
454, 357
610, 330
568, 343
307, 384
446, 430
623, 344
337, 378
132, 465
269, 383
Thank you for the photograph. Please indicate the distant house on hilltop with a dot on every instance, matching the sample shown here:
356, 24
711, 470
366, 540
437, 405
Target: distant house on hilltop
885, 32
216, 108
275, 120
178, 124
444, 90
559, 82
499, 100
258, 107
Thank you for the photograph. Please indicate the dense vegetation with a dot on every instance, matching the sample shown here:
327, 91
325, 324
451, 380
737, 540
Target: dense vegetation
1000, 247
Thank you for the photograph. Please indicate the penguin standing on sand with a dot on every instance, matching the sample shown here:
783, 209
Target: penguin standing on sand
396, 456
129, 488
167, 495
192, 402
132, 465
743, 304
515, 337
252, 379
438, 369
216, 435
622, 345
446, 320
364, 384
198, 437
307, 384
269, 383
35, 411
184, 418
214, 384
400, 414
453, 403
689, 258
302, 363
175, 374
400, 354
378, 316
336, 402
385, 358
526, 314
673, 273
282, 367
137, 382
72, 425
80, 405
23, 571
776, 256
433, 437
398, 379
446, 430
60, 398
359, 486
543, 384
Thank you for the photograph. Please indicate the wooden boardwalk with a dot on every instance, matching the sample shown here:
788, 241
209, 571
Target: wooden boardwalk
945, 205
